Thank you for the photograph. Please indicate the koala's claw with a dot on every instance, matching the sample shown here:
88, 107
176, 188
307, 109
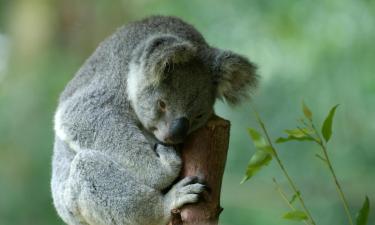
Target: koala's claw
184, 192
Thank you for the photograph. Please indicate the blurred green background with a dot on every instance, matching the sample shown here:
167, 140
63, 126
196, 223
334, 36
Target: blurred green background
319, 51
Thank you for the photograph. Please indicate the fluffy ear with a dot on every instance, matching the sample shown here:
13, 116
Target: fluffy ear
234, 75
162, 51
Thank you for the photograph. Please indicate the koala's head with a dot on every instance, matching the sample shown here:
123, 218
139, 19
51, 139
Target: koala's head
172, 85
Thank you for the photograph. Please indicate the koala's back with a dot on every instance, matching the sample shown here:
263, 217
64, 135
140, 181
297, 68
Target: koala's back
112, 57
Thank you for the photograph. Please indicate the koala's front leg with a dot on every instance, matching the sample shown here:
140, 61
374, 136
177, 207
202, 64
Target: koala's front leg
99, 191
157, 167
119, 138
184, 192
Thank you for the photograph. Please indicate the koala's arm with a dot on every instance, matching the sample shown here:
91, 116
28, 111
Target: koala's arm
84, 123
100, 191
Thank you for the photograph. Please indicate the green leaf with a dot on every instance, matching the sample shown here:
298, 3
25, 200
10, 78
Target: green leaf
295, 215
294, 197
327, 125
257, 161
255, 135
299, 132
262, 156
291, 138
306, 111
362, 215
259, 142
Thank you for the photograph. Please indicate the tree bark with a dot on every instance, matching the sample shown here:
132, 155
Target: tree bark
204, 155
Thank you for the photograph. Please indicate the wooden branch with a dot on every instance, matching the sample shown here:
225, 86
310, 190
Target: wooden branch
204, 155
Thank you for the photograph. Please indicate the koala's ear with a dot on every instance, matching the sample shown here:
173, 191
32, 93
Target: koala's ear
234, 75
160, 52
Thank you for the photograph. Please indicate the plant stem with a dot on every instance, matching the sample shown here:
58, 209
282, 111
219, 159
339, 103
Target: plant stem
337, 184
322, 144
281, 165
284, 197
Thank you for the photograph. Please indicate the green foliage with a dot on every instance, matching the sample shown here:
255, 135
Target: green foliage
327, 125
299, 133
306, 131
292, 138
296, 215
362, 216
306, 111
296, 135
259, 142
262, 156
257, 161
294, 197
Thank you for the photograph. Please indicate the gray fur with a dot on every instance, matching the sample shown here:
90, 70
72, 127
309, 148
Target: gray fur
113, 161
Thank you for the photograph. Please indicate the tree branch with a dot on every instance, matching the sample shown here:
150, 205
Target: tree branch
204, 155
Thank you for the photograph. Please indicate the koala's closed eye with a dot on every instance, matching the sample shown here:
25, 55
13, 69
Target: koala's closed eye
162, 105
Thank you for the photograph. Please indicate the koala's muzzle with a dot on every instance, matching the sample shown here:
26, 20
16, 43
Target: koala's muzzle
179, 129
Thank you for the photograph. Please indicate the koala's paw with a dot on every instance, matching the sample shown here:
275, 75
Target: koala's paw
169, 156
184, 192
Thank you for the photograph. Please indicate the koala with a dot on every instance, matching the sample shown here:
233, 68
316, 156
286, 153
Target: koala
120, 118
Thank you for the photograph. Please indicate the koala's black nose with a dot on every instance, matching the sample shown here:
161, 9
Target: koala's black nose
179, 129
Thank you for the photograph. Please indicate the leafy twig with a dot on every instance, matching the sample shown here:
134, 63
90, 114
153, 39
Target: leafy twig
285, 198
327, 133
337, 184
282, 167
307, 132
